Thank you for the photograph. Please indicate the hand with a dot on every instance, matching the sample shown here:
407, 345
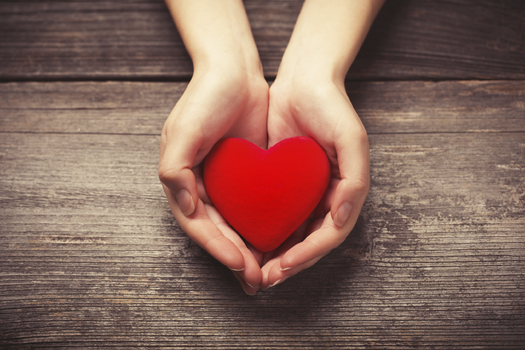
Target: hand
308, 98
322, 111
214, 105
226, 97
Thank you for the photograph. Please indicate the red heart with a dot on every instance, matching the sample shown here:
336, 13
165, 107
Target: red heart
265, 195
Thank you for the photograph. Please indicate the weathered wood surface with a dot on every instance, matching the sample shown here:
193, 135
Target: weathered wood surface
91, 257
142, 107
411, 39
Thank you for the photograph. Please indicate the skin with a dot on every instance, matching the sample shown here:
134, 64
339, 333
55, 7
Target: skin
229, 97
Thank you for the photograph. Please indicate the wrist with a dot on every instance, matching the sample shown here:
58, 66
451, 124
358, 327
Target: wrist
216, 34
302, 78
234, 76
238, 61
327, 38
300, 66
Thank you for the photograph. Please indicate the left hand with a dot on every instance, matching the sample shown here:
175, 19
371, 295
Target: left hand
215, 105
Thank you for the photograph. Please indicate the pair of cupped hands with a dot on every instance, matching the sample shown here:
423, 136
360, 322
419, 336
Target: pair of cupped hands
230, 103
228, 96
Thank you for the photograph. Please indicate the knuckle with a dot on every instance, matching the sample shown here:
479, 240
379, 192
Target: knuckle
362, 137
167, 175
360, 187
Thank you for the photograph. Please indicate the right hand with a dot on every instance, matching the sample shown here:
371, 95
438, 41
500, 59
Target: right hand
319, 108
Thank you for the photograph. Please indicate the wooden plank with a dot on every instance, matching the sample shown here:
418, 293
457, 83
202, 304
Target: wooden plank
411, 39
435, 107
90, 255
142, 108
87, 107
444, 40
79, 40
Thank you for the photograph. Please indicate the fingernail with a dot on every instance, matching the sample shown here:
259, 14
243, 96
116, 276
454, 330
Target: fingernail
285, 268
257, 286
275, 283
185, 202
342, 214
237, 270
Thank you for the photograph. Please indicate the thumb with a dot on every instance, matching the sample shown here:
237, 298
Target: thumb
350, 194
176, 162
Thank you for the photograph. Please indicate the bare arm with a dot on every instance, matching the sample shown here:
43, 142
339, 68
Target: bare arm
216, 33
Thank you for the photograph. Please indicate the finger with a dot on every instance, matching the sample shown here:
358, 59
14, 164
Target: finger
206, 234
245, 286
277, 275
274, 261
277, 272
259, 256
175, 169
265, 283
326, 201
316, 245
251, 274
353, 159
201, 190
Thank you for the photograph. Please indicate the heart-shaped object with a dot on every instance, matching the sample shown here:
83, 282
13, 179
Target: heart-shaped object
265, 195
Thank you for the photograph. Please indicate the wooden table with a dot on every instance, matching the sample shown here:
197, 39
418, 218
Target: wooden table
91, 257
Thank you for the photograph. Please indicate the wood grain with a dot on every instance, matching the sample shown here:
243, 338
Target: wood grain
91, 256
415, 39
142, 108
444, 40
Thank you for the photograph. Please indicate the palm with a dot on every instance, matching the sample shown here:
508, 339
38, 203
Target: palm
291, 116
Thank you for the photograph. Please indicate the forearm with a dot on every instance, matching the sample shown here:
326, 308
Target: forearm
216, 34
327, 37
